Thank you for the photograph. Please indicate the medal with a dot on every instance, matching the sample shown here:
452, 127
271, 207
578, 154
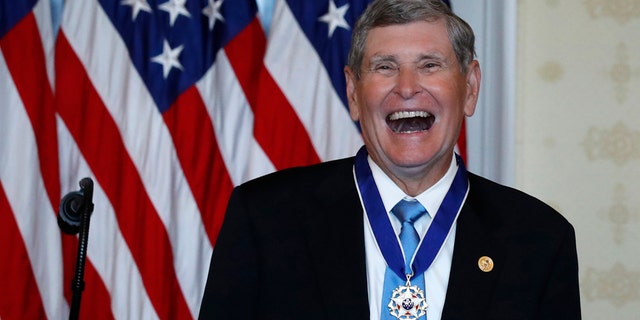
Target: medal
407, 302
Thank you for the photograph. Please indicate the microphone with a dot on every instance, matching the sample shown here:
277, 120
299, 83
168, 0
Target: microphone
73, 217
73, 205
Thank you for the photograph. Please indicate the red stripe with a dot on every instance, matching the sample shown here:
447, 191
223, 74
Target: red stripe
200, 158
277, 127
98, 138
25, 58
20, 296
462, 141
23, 52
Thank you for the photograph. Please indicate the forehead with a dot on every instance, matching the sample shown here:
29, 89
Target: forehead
419, 37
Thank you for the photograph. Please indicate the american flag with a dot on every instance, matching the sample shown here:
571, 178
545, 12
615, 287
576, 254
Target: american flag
166, 105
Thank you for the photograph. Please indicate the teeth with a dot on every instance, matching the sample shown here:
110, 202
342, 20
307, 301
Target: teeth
408, 114
410, 121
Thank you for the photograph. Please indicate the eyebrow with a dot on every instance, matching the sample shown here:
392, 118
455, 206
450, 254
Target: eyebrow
382, 58
431, 56
392, 58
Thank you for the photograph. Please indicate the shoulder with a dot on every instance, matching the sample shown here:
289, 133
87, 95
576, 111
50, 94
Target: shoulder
295, 194
294, 181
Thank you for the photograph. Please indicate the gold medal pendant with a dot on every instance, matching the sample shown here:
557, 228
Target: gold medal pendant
407, 302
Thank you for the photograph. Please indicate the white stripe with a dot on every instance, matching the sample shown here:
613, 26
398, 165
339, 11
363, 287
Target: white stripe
107, 249
21, 179
233, 121
105, 57
298, 70
42, 12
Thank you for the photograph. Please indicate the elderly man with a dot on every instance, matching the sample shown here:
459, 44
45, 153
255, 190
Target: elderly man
401, 230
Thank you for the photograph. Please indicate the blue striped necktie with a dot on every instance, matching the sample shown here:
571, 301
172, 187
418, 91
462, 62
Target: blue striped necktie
408, 212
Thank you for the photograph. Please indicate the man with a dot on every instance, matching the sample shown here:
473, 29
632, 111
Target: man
329, 242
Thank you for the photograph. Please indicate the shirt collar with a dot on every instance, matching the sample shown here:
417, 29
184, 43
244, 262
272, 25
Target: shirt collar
430, 198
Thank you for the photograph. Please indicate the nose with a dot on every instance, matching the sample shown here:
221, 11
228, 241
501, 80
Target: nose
408, 84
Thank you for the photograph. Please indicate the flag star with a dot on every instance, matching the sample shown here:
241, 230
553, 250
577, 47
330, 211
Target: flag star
175, 8
168, 58
136, 6
335, 17
212, 11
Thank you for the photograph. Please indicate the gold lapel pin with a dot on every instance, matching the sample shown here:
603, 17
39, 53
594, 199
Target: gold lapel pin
485, 264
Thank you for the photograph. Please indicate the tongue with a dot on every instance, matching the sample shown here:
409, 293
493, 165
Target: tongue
409, 125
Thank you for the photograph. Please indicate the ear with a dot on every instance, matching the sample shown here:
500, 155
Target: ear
350, 76
473, 88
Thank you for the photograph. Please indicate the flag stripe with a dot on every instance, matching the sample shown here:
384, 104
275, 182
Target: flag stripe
197, 148
29, 71
291, 57
243, 156
332, 48
136, 124
96, 299
126, 296
461, 146
276, 125
36, 99
27, 196
18, 277
95, 132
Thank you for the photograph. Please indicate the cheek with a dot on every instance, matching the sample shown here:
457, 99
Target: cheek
452, 100
370, 119
364, 104
373, 98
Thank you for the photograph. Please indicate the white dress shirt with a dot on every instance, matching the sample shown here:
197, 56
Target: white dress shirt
437, 276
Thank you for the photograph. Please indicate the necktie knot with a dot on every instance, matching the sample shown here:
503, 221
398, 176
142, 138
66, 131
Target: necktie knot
408, 211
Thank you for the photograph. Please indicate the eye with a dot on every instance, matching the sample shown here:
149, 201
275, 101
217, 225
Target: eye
384, 68
430, 66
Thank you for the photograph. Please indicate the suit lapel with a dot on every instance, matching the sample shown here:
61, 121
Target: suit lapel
334, 233
469, 290
335, 236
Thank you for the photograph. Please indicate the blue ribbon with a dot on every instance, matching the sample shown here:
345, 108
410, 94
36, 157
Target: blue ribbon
383, 231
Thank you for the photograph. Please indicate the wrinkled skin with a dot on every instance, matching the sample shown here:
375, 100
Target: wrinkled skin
412, 67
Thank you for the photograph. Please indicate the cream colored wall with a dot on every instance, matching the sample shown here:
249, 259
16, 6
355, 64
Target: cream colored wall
578, 136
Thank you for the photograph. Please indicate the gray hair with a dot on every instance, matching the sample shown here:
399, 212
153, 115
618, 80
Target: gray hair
382, 13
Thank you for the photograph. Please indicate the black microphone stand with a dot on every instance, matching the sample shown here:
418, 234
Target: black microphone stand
74, 215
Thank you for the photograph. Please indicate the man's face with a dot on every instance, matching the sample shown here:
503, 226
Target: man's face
411, 99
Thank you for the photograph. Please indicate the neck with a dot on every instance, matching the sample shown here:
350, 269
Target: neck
414, 181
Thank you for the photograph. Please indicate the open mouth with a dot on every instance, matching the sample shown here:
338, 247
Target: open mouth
410, 121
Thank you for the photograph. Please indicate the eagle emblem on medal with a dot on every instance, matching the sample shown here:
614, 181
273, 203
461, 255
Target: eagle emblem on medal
407, 303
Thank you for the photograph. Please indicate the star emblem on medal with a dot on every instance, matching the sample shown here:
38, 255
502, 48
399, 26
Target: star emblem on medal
407, 303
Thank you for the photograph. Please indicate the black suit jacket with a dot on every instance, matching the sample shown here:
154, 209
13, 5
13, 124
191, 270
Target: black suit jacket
292, 247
